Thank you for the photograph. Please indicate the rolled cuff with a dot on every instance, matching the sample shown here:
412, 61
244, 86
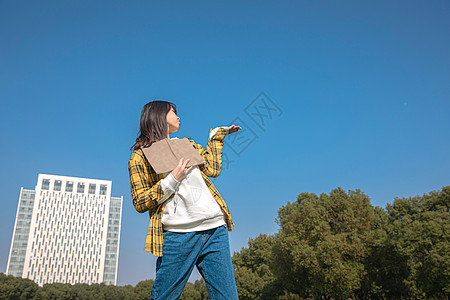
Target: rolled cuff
219, 134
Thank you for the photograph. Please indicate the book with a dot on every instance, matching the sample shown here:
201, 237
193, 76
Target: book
165, 154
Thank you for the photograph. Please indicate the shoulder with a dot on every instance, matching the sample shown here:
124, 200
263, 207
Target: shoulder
138, 158
137, 155
138, 163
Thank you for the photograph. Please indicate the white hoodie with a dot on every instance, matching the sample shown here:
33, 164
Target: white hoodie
192, 208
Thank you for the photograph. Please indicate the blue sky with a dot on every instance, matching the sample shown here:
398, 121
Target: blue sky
362, 89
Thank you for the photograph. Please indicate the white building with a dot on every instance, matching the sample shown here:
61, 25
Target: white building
67, 230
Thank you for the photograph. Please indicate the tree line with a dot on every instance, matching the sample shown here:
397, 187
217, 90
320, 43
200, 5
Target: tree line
338, 246
16, 288
331, 246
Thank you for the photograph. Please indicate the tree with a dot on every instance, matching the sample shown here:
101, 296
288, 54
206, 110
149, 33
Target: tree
322, 244
13, 288
200, 286
254, 279
190, 293
419, 234
385, 267
113, 292
56, 291
143, 289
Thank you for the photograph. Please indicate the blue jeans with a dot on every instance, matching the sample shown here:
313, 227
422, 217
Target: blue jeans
209, 250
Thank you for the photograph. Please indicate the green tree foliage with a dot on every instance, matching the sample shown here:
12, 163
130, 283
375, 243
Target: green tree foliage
418, 234
13, 288
143, 289
17, 288
190, 293
200, 286
254, 278
57, 291
322, 244
385, 267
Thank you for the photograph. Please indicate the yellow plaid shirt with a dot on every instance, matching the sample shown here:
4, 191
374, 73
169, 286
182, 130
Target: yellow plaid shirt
146, 187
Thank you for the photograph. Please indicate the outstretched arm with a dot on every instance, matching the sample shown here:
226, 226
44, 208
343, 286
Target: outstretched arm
213, 153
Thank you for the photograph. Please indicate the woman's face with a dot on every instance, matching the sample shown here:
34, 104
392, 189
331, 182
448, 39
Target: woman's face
173, 122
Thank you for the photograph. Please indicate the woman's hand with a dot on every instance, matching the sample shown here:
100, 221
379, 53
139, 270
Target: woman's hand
234, 128
181, 170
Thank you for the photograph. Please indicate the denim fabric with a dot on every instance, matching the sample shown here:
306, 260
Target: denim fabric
209, 250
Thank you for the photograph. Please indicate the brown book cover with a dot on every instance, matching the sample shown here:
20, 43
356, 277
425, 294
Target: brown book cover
164, 155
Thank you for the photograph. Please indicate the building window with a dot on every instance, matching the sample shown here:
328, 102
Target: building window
69, 187
45, 184
103, 189
57, 186
91, 188
80, 188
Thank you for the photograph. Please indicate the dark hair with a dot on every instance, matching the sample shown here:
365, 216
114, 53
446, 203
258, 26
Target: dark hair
153, 125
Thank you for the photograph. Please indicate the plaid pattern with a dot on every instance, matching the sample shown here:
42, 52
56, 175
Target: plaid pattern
146, 187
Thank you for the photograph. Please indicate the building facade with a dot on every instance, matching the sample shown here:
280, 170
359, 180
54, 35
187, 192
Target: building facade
67, 230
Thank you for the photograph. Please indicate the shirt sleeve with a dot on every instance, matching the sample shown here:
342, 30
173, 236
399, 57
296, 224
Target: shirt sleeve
146, 188
213, 152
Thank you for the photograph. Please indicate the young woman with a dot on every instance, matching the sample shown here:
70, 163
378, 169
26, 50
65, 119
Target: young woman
188, 217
